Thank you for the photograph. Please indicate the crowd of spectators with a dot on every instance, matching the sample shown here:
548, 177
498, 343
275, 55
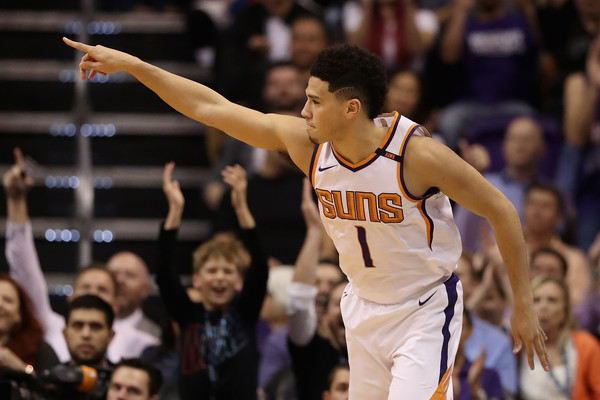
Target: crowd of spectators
511, 85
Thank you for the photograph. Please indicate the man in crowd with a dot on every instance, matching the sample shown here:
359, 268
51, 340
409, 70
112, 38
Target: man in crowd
134, 379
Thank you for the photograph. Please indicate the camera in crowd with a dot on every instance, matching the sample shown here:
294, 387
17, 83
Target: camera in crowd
60, 382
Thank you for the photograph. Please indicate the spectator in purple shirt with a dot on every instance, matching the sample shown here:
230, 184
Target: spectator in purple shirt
494, 43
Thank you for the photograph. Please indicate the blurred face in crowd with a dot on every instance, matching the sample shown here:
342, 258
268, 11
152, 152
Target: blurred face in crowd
546, 264
333, 316
463, 270
588, 7
541, 212
549, 303
492, 306
523, 144
327, 276
308, 39
133, 281
489, 5
404, 94
283, 90
278, 8
97, 282
87, 335
338, 390
9, 307
217, 279
129, 383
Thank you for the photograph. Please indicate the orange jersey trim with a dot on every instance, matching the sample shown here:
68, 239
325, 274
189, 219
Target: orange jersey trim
441, 393
313, 163
372, 156
420, 201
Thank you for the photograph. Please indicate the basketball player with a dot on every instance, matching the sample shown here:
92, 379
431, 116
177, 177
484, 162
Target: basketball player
382, 185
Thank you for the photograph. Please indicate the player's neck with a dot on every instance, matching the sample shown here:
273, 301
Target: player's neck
359, 141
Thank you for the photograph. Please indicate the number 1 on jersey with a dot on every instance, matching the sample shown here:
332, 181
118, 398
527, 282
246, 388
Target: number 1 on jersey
364, 246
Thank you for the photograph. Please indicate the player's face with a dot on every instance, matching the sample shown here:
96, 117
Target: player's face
218, 280
323, 111
549, 305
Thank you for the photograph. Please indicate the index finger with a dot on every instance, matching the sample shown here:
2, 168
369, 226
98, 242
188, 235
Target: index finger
168, 172
78, 45
18, 156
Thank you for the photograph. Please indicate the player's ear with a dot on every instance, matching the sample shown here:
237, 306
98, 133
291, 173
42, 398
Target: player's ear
353, 107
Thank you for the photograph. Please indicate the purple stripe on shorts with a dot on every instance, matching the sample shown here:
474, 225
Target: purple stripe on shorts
449, 313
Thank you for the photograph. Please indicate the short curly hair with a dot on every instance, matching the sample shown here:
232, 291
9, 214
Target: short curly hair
353, 72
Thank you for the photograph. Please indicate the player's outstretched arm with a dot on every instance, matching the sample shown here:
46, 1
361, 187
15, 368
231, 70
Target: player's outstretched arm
431, 164
269, 131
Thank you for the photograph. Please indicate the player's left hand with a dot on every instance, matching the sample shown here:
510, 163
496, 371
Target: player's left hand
528, 333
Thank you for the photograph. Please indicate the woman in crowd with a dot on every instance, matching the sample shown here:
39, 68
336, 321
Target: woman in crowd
22, 346
574, 354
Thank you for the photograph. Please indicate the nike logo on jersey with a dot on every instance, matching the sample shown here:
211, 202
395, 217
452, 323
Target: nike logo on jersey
326, 168
422, 303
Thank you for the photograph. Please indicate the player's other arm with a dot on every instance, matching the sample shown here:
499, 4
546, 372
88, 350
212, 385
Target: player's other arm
431, 164
269, 131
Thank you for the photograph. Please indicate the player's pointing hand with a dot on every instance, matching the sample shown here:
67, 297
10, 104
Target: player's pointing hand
100, 59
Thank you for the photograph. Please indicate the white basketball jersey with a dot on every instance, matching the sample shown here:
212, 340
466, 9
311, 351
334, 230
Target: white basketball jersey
391, 243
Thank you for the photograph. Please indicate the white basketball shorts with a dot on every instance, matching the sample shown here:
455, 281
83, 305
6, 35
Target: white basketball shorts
404, 351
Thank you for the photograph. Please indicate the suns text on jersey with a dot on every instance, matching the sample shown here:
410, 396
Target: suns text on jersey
358, 206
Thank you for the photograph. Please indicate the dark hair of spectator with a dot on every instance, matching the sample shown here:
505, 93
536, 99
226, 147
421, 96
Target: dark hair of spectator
547, 250
25, 337
91, 302
353, 73
334, 371
154, 376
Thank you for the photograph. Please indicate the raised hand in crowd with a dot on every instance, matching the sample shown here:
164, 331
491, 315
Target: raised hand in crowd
17, 184
174, 197
235, 176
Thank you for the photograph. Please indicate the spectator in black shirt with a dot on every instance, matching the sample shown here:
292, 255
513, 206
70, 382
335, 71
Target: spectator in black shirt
218, 339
